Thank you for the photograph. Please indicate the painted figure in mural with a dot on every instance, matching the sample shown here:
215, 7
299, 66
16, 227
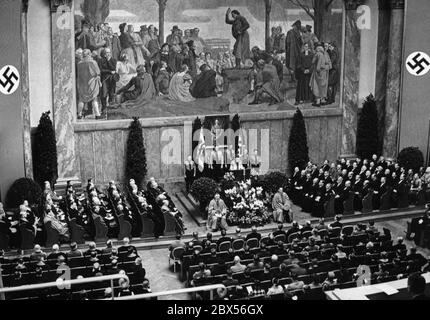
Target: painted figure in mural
125, 70
309, 37
204, 85
88, 83
319, 80
293, 46
127, 45
162, 80
179, 89
140, 51
303, 74
267, 83
239, 30
141, 87
114, 43
153, 43
108, 78
333, 78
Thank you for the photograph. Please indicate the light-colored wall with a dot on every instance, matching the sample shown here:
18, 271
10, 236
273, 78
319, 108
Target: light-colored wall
415, 113
369, 42
101, 147
39, 59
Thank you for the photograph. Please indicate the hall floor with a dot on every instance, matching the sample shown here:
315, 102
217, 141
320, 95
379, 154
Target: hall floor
162, 278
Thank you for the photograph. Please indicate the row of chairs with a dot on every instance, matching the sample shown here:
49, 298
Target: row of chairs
367, 204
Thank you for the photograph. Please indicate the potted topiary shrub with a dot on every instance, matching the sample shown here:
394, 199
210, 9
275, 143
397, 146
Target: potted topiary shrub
298, 151
204, 189
411, 158
45, 152
23, 189
136, 153
273, 181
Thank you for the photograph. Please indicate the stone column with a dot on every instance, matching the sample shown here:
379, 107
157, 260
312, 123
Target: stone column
268, 4
381, 66
394, 74
352, 44
64, 101
161, 9
25, 90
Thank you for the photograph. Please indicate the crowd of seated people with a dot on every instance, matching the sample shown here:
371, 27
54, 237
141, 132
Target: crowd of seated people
358, 185
87, 216
299, 263
39, 267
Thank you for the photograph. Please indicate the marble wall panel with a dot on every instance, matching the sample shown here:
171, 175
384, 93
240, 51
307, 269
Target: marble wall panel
351, 82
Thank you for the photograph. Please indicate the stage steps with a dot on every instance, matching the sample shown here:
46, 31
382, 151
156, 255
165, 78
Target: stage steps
192, 208
186, 216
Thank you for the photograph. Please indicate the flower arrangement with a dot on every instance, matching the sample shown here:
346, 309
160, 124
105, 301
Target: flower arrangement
248, 206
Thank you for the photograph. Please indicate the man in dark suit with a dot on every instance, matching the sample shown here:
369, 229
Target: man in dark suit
196, 241
254, 234
280, 231
337, 223
238, 235
417, 287
294, 229
223, 238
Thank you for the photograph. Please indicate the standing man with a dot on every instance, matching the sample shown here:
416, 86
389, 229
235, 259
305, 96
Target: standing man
293, 47
108, 70
240, 26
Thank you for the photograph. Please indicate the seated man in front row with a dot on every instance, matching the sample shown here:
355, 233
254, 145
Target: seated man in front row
217, 213
281, 205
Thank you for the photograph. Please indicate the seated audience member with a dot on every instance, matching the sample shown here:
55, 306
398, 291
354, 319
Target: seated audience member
276, 288
202, 273
296, 284
237, 266
139, 271
238, 235
224, 237
74, 251
337, 223
280, 231
109, 247
330, 281
256, 264
254, 234
125, 289
166, 207
92, 248
126, 246
417, 287
38, 254
177, 243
